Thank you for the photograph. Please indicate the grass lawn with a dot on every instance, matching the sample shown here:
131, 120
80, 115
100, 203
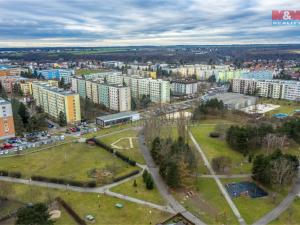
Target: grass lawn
9, 206
291, 216
216, 147
108, 130
65, 218
286, 106
207, 203
133, 153
140, 192
252, 209
88, 203
70, 161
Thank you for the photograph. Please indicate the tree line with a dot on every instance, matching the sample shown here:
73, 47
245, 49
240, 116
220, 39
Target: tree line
26, 122
276, 169
175, 159
212, 107
247, 139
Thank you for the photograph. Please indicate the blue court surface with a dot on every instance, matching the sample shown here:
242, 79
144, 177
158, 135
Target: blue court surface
245, 189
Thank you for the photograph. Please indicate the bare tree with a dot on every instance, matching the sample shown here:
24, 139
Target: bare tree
272, 141
182, 126
283, 171
152, 128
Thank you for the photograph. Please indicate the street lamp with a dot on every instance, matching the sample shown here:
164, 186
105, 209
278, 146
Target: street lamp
98, 201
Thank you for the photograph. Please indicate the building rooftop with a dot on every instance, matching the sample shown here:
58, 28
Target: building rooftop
117, 115
54, 89
5, 67
4, 101
184, 81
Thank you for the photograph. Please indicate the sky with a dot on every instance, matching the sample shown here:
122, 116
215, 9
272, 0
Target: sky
90, 23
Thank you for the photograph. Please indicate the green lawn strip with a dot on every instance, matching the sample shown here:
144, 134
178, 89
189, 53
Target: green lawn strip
291, 216
214, 147
133, 153
252, 209
65, 218
115, 128
88, 203
70, 161
140, 191
207, 203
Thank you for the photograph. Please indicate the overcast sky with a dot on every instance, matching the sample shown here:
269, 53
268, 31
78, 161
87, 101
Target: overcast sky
27, 23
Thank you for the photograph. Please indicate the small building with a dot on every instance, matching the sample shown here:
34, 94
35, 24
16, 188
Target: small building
117, 118
232, 101
177, 219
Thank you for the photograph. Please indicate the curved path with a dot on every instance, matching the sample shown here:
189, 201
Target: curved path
100, 190
161, 186
284, 205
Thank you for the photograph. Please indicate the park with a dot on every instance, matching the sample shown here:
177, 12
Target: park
199, 194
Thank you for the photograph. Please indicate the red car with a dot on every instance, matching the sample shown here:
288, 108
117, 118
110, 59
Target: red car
7, 146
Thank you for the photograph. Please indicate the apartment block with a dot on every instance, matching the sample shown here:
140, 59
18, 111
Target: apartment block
279, 89
26, 86
7, 128
157, 89
57, 74
184, 87
54, 100
119, 98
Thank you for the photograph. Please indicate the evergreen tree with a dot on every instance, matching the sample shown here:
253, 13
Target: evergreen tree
149, 182
62, 119
23, 112
33, 215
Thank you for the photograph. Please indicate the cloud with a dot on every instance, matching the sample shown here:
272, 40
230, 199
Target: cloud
140, 22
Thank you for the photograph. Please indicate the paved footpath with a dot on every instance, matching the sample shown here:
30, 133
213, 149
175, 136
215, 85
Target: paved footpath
225, 176
161, 186
284, 205
220, 185
101, 190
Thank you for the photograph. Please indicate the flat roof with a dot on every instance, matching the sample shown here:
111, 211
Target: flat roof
117, 115
54, 89
4, 101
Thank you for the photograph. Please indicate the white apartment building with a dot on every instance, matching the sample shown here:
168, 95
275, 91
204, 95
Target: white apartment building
184, 87
279, 89
119, 98
157, 89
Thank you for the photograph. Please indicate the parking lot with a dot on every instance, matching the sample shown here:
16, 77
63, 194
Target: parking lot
32, 140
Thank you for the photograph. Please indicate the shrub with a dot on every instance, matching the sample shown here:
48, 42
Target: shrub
214, 134
14, 174
3, 173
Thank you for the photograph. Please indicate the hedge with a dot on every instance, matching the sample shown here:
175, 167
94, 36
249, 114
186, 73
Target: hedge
111, 150
72, 213
13, 174
126, 176
3, 173
101, 144
64, 181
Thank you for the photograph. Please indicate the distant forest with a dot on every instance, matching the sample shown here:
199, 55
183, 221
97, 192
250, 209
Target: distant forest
168, 54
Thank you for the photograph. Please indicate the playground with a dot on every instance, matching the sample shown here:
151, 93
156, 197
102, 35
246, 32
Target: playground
245, 189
